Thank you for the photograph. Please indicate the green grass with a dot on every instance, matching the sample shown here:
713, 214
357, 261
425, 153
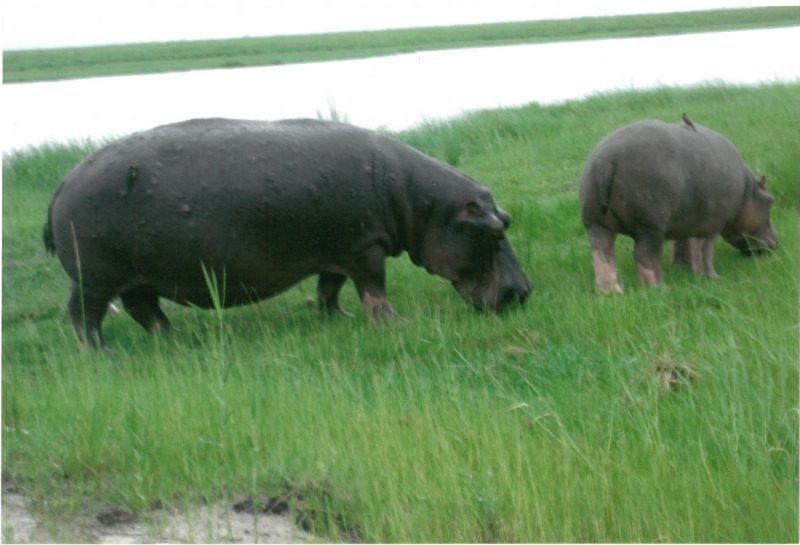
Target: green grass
544, 424
78, 62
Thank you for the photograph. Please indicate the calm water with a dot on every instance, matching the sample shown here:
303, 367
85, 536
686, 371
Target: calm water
395, 92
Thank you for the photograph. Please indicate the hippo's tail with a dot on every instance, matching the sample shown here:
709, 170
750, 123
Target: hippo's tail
47, 231
596, 190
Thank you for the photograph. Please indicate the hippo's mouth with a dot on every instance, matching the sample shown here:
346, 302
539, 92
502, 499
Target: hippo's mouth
750, 252
493, 299
749, 246
496, 286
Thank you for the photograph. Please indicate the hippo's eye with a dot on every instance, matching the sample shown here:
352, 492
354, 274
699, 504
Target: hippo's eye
474, 208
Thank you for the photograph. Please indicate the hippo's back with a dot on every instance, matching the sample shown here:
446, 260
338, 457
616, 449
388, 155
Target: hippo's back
671, 178
665, 147
264, 203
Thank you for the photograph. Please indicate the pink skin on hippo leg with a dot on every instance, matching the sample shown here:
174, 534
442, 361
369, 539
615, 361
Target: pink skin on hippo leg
649, 277
378, 308
603, 257
370, 281
647, 253
702, 256
708, 257
605, 272
697, 252
696, 255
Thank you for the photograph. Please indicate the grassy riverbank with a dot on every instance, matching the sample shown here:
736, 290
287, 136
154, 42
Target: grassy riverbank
551, 423
80, 62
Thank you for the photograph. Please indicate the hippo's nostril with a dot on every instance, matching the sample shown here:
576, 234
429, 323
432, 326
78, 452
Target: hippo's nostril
510, 295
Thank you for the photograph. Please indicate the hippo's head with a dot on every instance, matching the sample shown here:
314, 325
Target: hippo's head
754, 233
467, 245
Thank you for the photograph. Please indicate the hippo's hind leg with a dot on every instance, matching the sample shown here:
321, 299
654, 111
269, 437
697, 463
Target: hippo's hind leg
647, 249
141, 303
604, 259
87, 310
328, 288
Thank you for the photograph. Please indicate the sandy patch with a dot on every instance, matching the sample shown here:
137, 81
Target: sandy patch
208, 524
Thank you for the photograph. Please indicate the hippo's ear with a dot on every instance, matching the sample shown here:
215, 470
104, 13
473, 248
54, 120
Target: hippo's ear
762, 183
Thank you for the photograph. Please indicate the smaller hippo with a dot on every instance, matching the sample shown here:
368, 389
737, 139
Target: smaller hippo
654, 181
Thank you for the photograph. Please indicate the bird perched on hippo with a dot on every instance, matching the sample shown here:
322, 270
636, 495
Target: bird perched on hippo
656, 181
262, 205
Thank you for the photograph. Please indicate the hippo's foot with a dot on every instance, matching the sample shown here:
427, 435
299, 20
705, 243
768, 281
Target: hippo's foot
335, 311
608, 287
328, 288
649, 277
709, 272
605, 270
379, 310
705, 270
706, 255
87, 310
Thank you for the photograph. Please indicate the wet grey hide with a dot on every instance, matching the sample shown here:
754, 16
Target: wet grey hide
254, 207
655, 181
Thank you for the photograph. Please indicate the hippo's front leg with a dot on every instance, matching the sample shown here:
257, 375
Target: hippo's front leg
370, 281
696, 255
697, 252
705, 253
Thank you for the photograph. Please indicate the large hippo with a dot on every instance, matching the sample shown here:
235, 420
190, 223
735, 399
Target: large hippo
258, 206
654, 181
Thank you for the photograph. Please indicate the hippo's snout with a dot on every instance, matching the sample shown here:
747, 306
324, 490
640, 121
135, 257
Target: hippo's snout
512, 295
503, 286
494, 300
506, 297
752, 245
515, 287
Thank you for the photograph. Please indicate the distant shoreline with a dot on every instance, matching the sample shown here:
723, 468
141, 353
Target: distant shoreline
83, 62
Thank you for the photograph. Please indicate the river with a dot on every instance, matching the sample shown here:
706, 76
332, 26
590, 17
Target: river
395, 92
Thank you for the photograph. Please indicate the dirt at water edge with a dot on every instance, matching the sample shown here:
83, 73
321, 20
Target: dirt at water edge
207, 524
